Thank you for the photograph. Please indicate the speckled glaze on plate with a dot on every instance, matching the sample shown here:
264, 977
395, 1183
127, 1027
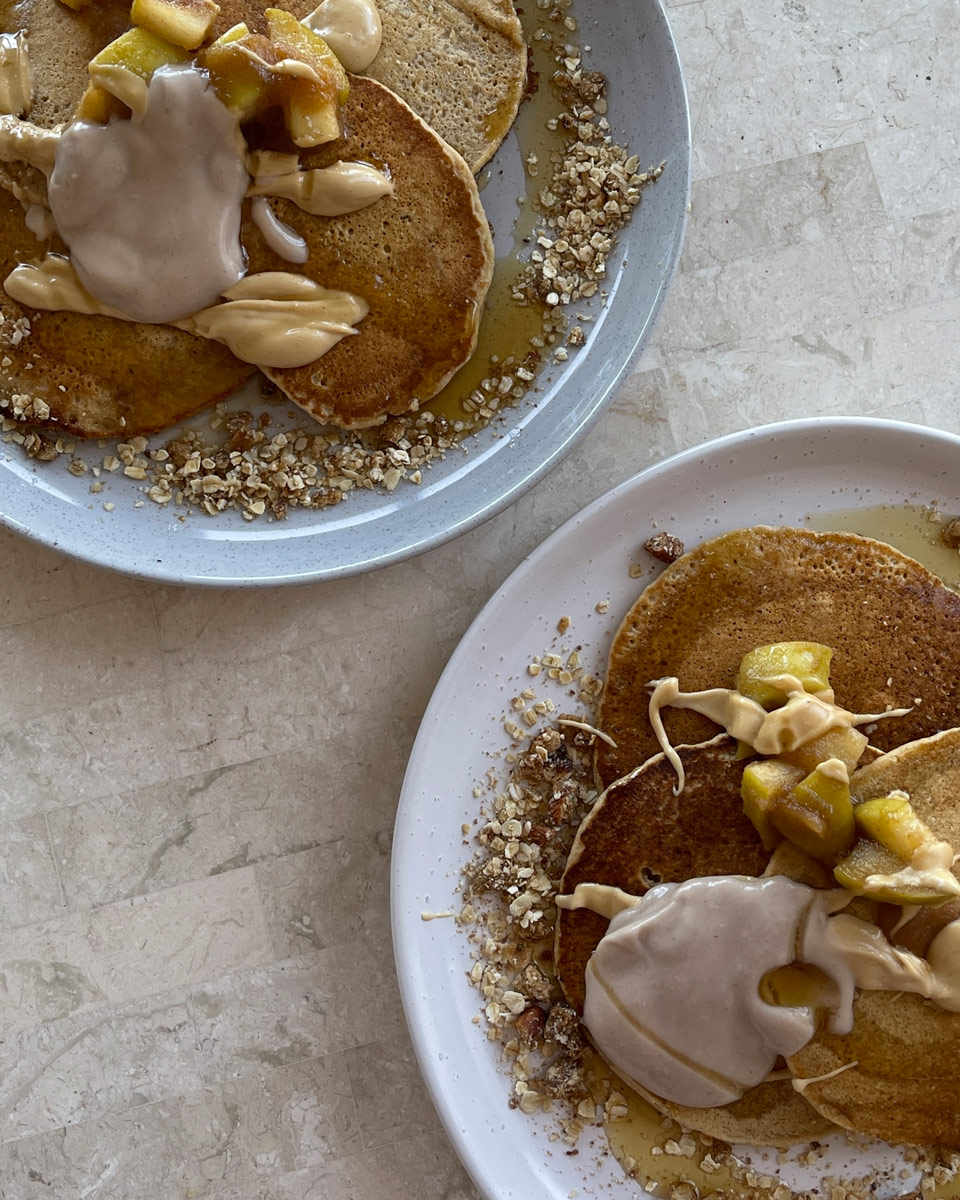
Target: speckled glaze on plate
632, 43
776, 474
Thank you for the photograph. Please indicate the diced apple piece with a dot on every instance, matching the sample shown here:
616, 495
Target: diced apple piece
797, 985
186, 23
232, 62
138, 51
844, 743
817, 815
917, 934
891, 821
791, 861
809, 662
311, 101
765, 784
76, 5
868, 858
98, 105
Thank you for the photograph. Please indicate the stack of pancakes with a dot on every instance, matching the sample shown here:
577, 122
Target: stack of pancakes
895, 630
421, 258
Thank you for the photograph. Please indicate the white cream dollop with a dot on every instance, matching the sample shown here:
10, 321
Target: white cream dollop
150, 208
673, 997
672, 990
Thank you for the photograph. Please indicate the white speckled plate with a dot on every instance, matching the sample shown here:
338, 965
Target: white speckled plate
778, 474
631, 42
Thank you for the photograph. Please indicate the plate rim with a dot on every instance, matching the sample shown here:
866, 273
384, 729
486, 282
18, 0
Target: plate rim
406, 949
71, 542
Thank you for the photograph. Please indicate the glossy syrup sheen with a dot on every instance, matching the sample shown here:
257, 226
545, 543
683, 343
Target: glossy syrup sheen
911, 528
508, 325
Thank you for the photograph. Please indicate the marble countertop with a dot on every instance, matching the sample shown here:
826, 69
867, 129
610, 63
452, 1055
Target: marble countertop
197, 788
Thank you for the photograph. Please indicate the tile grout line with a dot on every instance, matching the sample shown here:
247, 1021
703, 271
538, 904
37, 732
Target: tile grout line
56, 866
74, 608
152, 593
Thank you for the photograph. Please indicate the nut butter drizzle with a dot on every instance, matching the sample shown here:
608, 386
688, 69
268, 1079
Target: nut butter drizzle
280, 238
331, 191
804, 717
22, 141
16, 79
279, 319
273, 318
351, 28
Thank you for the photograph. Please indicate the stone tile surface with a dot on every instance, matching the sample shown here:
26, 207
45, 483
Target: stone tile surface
81, 1067
130, 949
197, 787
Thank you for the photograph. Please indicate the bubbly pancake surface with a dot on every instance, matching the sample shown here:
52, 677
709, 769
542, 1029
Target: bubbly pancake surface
886, 617
640, 832
905, 1086
422, 259
461, 64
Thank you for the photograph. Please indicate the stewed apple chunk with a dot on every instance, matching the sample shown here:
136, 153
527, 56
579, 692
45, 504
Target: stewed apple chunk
99, 105
125, 66
765, 785
817, 815
312, 101
291, 68
764, 671
891, 821
238, 64
844, 743
872, 870
184, 22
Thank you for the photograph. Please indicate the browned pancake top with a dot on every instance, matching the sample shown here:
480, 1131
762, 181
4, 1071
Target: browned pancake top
906, 1086
421, 258
885, 616
640, 832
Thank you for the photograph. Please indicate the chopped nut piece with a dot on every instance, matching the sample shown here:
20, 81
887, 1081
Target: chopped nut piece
664, 546
950, 534
563, 1027
530, 1025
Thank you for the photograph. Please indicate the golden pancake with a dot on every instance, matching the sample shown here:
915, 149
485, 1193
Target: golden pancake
640, 832
905, 1086
886, 617
99, 377
461, 64
421, 258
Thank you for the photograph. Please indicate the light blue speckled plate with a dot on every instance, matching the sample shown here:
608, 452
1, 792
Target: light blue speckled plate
631, 42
